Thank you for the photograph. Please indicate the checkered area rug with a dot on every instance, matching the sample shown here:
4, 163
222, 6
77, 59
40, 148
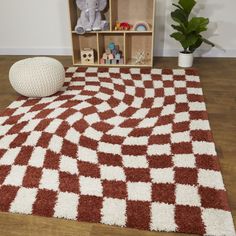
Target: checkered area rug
125, 147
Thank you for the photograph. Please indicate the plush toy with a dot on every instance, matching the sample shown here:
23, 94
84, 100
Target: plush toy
90, 17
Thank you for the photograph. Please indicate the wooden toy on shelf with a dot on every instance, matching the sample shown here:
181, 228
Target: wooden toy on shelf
112, 46
87, 56
123, 26
140, 58
118, 56
141, 26
112, 55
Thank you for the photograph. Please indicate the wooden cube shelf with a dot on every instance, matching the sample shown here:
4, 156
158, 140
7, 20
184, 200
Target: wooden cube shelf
130, 42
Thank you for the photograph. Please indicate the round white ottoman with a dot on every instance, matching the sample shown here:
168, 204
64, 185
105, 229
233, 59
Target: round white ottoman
37, 77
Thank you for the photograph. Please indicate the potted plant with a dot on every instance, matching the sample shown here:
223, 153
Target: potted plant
188, 31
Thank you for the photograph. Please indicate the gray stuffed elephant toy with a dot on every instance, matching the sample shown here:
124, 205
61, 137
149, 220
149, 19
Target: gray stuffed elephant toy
90, 17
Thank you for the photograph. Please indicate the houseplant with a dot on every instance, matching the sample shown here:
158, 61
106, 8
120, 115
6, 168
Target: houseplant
188, 31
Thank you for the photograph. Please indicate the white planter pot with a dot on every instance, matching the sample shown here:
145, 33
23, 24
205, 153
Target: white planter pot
185, 60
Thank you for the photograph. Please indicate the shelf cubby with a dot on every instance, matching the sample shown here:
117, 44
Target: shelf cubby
105, 38
87, 41
130, 42
135, 43
132, 11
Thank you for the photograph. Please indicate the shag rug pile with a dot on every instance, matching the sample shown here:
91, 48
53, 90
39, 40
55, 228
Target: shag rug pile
125, 147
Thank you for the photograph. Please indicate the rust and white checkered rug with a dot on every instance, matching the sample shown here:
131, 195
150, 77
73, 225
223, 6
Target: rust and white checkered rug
125, 147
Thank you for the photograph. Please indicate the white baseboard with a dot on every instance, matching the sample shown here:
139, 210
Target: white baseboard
35, 51
199, 53
158, 52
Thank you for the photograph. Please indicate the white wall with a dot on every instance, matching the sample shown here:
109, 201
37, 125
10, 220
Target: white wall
41, 27
34, 27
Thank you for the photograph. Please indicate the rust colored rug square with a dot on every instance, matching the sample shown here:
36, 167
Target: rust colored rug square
125, 147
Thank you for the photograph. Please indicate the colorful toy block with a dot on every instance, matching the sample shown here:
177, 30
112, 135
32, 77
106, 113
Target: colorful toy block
112, 55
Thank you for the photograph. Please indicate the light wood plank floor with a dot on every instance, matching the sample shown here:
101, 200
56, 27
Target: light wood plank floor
218, 78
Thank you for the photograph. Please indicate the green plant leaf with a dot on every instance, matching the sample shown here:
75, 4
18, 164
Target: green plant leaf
189, 40
187, 5
179, 28
197, 24
208, 42
178, 6
185, 40
178, 36
198, 43
179, 16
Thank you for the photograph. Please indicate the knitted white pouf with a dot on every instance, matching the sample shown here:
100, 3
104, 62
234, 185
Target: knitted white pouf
37, 77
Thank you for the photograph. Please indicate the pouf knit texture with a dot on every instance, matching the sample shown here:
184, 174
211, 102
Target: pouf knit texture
37, 77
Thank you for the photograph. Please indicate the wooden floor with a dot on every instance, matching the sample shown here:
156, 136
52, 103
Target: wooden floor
218, 77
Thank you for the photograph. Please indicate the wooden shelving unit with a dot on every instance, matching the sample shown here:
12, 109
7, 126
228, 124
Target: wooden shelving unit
130, 42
